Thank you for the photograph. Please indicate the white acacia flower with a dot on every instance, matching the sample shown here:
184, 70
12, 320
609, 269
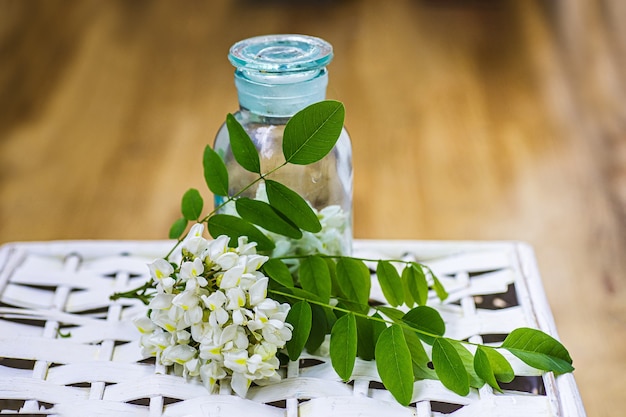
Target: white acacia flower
240, 383
211, 317
191, 269
210, 373
178, 354
160, 269
258, 291
186, 300
231, 278
227, 260
194, 243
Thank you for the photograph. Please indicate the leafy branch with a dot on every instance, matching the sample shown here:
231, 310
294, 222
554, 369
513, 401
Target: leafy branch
330, 295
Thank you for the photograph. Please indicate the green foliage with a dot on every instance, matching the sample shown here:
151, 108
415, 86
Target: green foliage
390, 283
277, 270
343, 346
244, 151
292, 206
355, 282
300, 317
393, 361
311, 133
539, 350
315, 277
262, 214
449, 366
427, 321
416, 284
191, 205
178, 228
492, 367
215, 173
331, 295
234, 227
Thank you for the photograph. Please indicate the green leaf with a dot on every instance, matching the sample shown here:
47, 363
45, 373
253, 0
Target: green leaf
323, 320
234, 227
354, 281
263, 215
312, 132
492, 367
178, 228
368, 331
394, 314
390, 283
427, 321
294, 207
468, 362
215, 172
244, 151
276, 270
449, 367
413, 274
438, 287
419, 357
300, 317
192, 204
343, 346
315, 277
393, 361
539, 350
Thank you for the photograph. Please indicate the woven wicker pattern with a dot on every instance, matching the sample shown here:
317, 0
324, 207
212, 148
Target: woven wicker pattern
65, 349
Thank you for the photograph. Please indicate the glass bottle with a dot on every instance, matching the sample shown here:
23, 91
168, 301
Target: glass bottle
276, 76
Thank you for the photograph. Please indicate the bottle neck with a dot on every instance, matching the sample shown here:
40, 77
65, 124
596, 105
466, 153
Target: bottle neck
280, 94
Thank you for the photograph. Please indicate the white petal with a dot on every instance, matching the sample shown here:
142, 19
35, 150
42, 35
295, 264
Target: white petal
232, 277
240, 384
258, 291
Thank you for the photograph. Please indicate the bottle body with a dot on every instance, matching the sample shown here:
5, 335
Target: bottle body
326, 185
276, 76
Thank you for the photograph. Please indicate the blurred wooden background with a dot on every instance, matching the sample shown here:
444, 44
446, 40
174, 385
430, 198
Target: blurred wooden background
476, 120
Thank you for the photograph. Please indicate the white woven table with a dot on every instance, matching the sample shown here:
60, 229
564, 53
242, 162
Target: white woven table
66, 349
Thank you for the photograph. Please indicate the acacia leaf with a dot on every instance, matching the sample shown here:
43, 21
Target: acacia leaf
343, 346
449, 367
276, 270
315, 277
393, 361
312, 132
392, 313
468, 363
178, 228
390, 283
300, 317
427, 321
244, 151
292, 206
263, 215
492, 367
320, 327
539, 350
368, 332
235, 227
191, 204
355, 282
215, 172
419, 357
416, 283
440, 290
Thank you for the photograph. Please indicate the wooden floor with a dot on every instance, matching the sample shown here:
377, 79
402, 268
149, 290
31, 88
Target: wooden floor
473, 120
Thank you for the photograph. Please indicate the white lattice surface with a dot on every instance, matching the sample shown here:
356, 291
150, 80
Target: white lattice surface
49, 291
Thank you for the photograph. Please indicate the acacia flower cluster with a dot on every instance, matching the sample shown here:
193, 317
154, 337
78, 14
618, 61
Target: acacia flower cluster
211, 318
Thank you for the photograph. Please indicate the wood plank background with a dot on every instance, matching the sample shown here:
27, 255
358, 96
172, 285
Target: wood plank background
473, 120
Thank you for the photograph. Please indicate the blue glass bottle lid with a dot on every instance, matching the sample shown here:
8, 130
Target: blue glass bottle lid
281, 53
